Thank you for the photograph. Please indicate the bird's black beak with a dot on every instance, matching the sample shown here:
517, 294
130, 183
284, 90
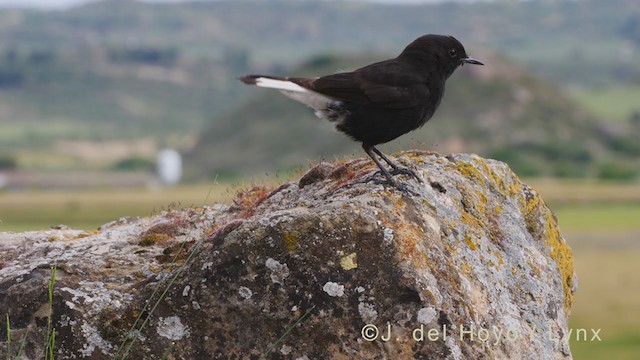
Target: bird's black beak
470, 60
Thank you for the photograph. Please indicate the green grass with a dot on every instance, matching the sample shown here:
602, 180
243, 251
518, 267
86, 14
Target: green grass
50, 340
607, 298
616, 347
585, 191
8, 329
609, 103
600, 217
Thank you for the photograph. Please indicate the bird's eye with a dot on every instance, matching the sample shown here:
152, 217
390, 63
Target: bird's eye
453, 53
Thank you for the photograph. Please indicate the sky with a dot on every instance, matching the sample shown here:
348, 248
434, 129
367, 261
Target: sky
62, 4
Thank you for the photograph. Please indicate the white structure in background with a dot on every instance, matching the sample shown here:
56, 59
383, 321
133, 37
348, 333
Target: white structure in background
169, 166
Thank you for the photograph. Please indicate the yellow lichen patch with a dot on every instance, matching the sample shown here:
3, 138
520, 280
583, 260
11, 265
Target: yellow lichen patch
475, 213
481, 207
450, 249
469, 171
506, 190
535, 212
290, 241
399, 202
414, 156
69, 236
516, 269
429, 296
349, 262
469, 242
561, 254
150, 239
497, 180
162, 232
483, 198
469, 199
431, 206
474, 225
531, 204
514, 188
498, 258
466, 268
83, 234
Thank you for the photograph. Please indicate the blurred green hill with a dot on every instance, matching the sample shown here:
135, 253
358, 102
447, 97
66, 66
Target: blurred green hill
582, 41
130, 70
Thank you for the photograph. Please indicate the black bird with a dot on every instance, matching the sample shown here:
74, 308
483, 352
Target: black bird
379, 102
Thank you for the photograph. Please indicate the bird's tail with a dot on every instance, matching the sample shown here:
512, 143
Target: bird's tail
273, 82
292, 88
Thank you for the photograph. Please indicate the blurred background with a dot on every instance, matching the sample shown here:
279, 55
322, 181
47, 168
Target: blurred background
123, 108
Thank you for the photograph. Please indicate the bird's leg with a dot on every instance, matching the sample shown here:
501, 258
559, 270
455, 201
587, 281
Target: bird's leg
369, 149
397, 169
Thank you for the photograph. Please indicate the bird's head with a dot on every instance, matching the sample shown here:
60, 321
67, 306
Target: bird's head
438, 51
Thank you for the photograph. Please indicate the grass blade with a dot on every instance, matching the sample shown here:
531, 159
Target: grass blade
167, 352
8, 338
52, 343
127, 347
286, 333
49, 341
23, 342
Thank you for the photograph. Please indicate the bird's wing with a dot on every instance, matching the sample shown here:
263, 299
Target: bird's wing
351, 87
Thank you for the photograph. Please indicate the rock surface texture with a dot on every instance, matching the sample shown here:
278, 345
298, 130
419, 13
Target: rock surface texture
470, 267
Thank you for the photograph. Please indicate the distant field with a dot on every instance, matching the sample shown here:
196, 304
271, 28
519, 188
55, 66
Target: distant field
607, 298
609, 103
585, 191
601, 217
579, 205
88, 209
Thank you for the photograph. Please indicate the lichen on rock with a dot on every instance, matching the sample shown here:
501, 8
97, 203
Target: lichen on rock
304, 270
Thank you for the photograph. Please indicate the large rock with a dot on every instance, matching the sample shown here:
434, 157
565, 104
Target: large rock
472, 266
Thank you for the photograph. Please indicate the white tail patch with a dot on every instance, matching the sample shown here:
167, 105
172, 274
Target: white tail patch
310, 98
296, 92
279, 84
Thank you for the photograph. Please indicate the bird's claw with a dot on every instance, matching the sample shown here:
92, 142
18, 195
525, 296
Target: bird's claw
401, 171
406, 171
374, 179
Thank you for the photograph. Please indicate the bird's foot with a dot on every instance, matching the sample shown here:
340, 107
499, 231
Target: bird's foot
399, 170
